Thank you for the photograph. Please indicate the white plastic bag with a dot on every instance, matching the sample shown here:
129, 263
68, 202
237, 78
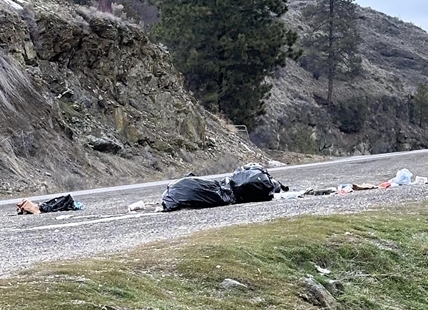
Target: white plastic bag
289, 195
403, 177
136, 206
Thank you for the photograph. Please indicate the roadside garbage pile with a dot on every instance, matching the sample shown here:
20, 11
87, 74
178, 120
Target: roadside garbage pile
61, 203
249, 183
253, 183
403, 177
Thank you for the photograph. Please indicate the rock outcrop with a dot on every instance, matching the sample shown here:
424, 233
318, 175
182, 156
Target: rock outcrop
86, 100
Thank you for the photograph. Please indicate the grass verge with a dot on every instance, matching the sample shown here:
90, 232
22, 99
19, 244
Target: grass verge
379, 257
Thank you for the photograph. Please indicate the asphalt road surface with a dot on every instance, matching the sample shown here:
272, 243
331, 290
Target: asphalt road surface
106, 226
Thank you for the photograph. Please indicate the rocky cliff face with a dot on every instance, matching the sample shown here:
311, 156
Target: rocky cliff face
86, 100
395, 60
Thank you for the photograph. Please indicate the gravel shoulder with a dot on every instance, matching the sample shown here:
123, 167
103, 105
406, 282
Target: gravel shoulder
105, 226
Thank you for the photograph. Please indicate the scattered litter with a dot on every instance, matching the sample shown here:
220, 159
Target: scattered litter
290, 195
385, 185
322, 192
363, 187
27, 207
420, 180
144, 206
230, 283
136, 206
78, 205
321, 270
403, 177
345, 188
62, 203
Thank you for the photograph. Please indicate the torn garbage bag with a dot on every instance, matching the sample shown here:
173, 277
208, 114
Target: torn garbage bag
252, 183
279, 186
193, 192
62, 203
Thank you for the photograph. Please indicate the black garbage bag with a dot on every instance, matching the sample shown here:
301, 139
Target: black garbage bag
279, 186
252, 183
193, 192
62, 203
276, 185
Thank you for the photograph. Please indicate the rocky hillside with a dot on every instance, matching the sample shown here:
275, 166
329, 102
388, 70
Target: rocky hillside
395, 61
86, 100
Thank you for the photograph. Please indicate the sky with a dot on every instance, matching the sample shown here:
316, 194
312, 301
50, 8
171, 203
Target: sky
414, 11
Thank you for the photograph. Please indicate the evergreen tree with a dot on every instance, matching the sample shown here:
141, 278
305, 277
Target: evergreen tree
420, 101
225, 49
333, 42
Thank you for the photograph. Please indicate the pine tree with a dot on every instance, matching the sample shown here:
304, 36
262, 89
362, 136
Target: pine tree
332, 44
420, 101
225, 49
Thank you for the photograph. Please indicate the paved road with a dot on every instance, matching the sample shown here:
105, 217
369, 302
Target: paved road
106, 226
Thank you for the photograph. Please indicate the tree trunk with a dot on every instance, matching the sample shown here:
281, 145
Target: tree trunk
331, 56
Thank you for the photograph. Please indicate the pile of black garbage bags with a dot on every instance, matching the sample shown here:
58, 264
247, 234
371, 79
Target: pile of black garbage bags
249, 183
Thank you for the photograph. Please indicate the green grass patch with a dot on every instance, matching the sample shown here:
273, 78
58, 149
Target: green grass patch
380, 257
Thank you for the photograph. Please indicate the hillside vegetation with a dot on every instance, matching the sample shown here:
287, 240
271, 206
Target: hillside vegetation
372, 113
